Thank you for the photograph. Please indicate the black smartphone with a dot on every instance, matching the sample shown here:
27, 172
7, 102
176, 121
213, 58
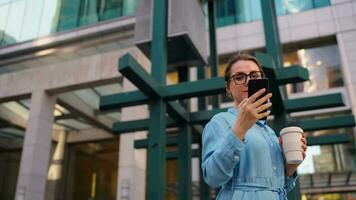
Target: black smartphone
255, 85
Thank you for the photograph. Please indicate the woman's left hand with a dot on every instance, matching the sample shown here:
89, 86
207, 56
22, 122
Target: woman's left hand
291, 168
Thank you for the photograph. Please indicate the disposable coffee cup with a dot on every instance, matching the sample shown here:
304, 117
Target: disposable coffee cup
292, 144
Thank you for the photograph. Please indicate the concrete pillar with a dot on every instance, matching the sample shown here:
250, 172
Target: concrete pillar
132, 163
31, 183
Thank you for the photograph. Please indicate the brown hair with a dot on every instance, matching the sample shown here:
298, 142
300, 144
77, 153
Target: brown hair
236, 58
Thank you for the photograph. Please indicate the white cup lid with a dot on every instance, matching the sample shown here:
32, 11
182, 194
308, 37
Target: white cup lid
291, 129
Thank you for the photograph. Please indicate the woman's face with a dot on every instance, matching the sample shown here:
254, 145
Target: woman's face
239, 92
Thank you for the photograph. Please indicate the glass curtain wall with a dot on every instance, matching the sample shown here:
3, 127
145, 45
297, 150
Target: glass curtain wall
23, 20
323, 64
242, 11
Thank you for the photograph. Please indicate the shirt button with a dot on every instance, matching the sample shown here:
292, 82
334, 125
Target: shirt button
236, 158
274, 168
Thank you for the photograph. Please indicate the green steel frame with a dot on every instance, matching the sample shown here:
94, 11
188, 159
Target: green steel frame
162, 99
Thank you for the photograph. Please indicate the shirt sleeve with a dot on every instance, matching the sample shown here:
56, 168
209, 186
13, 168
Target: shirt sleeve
290, 182
221, 153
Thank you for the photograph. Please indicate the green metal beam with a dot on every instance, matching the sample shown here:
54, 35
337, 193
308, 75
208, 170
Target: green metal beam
137, 125
178, 112
204, 188
171, 141
202, 117
199, 117
172, 92
270, 25
124, 99
313, 103
195, 89
133, 71
292, 74
214, 61
174, 154
329, 139
185, 162
328, 123
130, 126
156, 162
185, 90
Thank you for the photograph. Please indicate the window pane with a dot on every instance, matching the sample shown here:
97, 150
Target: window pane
295, 6
4, 11
69, 14
129, 7
32, 20
241, 11
280, 8
321, 3
112, 9
323, 64
88, 12
49, 18
256, 10
14, 22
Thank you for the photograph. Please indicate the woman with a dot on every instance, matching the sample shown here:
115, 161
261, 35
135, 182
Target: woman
241, 154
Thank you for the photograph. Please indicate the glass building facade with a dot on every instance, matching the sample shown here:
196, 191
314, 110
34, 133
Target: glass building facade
23, 20
242, 11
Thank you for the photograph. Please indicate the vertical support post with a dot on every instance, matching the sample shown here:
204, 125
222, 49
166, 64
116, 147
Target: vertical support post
185, 162
184, 148
214, 62
204, 189
32, 179
156, 175
273, 46
270, 24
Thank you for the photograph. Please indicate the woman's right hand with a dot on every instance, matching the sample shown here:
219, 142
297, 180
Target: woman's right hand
250, 111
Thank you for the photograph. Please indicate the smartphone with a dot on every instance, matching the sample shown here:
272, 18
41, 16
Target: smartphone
255, 85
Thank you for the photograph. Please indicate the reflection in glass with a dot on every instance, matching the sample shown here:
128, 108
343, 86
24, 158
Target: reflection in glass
49, 18
323, 64
329, 158
110, 9
32, 20
88, 12
4, 10
14, 21
23, 20
241, 11
295, 6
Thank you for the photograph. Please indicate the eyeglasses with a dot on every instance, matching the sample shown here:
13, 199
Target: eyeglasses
241, 78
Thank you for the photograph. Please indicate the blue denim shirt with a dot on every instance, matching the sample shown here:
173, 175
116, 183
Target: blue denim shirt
251, 170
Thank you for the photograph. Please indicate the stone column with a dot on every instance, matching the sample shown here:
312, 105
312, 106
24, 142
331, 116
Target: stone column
31, 183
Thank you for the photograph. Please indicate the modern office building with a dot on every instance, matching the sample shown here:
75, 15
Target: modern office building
57, 57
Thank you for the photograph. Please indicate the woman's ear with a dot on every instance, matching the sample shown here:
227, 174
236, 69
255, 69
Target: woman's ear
228, 92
